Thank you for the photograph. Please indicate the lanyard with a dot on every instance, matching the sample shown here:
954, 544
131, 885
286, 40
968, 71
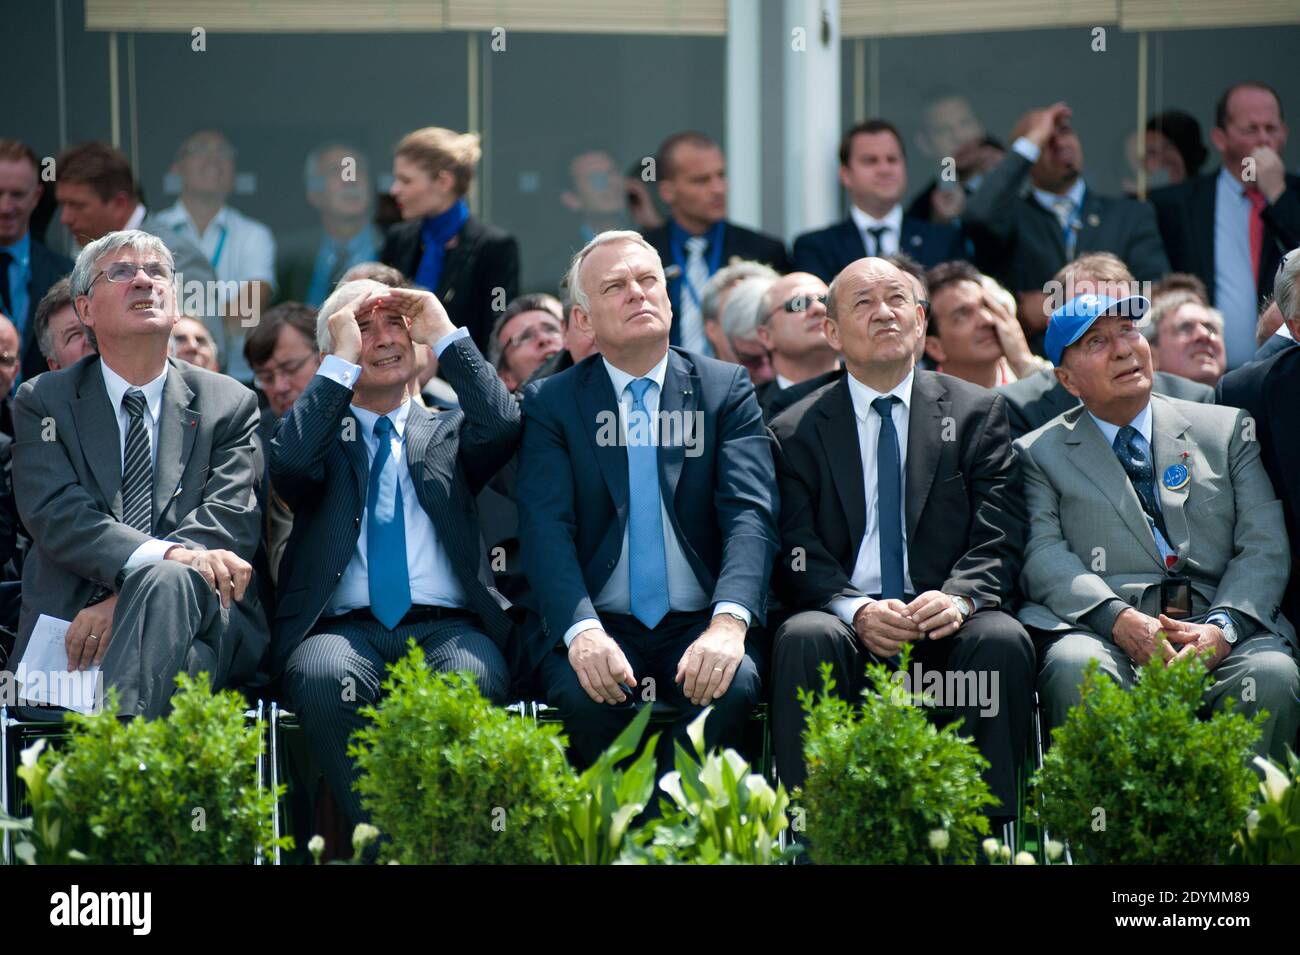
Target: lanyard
678, 242
221, 245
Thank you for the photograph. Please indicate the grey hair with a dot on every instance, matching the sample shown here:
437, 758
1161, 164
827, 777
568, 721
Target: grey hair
725, 278
1164, 306
1284, 286
340, 298
579, 294
744, 308
83, 273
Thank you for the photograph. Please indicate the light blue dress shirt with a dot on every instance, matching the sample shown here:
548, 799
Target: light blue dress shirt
1235, 292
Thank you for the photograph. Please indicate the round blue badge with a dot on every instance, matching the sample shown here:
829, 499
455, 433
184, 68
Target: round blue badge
1176, 477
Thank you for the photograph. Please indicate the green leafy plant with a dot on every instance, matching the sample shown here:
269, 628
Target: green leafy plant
720, 812
1134, 777
42, 836
450, 778
593, 827
1271, 835
882, 777
177, 790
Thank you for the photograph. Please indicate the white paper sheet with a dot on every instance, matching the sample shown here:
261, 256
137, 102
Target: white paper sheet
43, 675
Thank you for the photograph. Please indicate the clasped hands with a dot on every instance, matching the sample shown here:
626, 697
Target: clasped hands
884, 626
1143, 637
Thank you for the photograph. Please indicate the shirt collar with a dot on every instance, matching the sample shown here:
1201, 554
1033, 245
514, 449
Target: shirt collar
1228, 181
1142, 422
783, 382
118, 387
620, 379
137, 217
20, 250
398, 416
181, 217
1048, 199
863, 395
893, 219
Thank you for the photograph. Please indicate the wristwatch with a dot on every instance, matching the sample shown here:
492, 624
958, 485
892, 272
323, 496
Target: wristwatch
735, 616
963, 606
1224, 623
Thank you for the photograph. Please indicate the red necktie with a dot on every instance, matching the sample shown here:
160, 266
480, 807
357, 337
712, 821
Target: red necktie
1257, 204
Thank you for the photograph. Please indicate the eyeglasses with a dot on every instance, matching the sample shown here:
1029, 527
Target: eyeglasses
547, 329
266, 377
8, 360
126, 272
801, 303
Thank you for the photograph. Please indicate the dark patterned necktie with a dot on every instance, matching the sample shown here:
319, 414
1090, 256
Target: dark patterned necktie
137, 468
1132, 454
889, 500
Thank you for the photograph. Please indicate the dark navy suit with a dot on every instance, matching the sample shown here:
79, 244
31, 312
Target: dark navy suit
826, 251
573, 514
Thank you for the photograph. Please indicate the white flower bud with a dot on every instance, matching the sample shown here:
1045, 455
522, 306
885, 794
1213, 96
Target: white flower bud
990, 847
939, 839
1054, 850
1024, 858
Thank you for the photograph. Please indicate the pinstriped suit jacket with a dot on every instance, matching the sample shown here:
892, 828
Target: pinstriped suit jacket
322, 476
1091, 553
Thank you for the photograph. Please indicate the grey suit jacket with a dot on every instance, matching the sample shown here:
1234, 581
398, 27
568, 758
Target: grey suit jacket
1091, 553
68, 478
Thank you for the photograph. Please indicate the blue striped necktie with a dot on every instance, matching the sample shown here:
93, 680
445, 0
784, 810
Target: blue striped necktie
647, 562
390, 587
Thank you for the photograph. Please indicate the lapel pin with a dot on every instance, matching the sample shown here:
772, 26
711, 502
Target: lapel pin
916, 241
1094, 220
1176, 477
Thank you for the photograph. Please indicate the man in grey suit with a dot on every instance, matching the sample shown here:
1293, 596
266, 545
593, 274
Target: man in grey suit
1151, 518
1037, 399
386, 545
135, 475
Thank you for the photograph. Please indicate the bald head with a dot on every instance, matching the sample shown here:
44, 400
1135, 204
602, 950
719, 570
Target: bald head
875, 321
9, 357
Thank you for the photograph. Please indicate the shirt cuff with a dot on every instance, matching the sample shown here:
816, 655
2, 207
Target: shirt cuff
586, 623
1027, 149
150, 552
846, 608
339, 370
726, 606
1219, 618
447, 339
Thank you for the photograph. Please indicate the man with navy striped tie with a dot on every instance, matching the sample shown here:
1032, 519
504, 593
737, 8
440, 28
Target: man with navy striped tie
385, 545
134, 473
647, 516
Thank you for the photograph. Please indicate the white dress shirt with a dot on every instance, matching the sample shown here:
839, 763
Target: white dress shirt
866, 569
684, 591
1142, 424
783, 382
153, 550
893, 223
432, 578
240, 249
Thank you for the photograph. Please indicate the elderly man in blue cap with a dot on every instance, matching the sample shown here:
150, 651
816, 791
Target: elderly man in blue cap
1154, 531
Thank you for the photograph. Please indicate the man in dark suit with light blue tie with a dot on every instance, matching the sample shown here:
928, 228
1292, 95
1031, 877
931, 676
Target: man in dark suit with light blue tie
385, 545
873, 170
647, 515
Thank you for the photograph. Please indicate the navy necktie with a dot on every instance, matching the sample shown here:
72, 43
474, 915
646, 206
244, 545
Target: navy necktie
386, 570
5, 259
1132, 454
878, 239
647, 560
889, 500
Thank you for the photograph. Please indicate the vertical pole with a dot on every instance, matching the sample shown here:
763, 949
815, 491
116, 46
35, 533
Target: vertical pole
1142, 117
744, 116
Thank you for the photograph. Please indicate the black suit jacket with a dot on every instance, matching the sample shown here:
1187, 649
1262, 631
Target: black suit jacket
737, 243
1186, 216
483, 260
47, 268
1274, 344
322, 477
1270, 391
826, 251
1036, 400
573, 488
1020, 243
964, 514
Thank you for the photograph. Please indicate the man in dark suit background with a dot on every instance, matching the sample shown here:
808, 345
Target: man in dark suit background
648, 525
27, 267
1232, 226
900, 523
1036, 400
141, 509
1034, 213
698, 239
873, 170
1270, 391
385, 544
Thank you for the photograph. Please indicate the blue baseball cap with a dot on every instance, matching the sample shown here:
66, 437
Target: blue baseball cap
1071, 320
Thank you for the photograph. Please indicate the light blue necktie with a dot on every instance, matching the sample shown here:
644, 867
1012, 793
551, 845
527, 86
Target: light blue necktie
647, 563
390, 587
